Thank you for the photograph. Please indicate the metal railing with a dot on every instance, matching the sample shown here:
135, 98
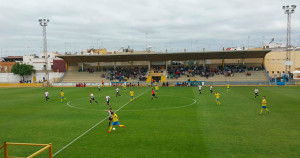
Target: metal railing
61, 77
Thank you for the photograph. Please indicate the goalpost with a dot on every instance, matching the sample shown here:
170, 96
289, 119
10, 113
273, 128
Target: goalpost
45, 147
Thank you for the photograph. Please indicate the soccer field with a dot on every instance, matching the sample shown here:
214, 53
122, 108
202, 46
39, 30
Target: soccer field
179, 123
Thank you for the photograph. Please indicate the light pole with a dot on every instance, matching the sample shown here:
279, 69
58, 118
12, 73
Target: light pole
44, 23
288, 10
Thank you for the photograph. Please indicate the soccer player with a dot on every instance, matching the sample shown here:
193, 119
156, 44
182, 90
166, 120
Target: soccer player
211, 89
200, 88
227, 85
107, 100
102, 83
131, 95
92, 98
156, 89
117, 92
217, 95
47, 95
62, 95
256, 92
153, 94
264, 105
115, 121
124, 86
109, 117
155, 83
99, 87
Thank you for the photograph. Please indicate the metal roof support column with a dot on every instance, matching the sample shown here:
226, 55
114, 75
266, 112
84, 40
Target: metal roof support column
66, 66
223, 63
82, 66
244, 58
115, 65
131, 64
166, 65
98, 66
149, 65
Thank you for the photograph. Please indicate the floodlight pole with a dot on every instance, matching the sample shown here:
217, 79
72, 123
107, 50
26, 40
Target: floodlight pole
44, 23
288, 10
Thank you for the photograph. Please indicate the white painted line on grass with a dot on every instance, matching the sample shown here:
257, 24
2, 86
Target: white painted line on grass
92, 127
183, 106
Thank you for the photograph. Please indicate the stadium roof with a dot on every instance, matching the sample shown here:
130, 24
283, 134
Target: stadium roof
176, 56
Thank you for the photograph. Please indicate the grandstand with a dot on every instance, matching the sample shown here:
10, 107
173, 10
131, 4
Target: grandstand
145, 67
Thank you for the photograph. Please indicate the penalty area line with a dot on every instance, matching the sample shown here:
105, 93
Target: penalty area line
92, 127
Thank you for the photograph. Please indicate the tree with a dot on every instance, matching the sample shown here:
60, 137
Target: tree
22, 69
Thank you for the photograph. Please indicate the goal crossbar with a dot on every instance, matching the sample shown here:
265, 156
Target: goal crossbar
45, 147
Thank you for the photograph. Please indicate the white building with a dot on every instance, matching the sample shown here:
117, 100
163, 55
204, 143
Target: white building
39, 62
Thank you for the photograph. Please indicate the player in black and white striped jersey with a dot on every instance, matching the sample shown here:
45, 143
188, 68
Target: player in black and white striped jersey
109, 117
47, 95
256, 92
99, 87
117, 92
92, 98
107, 100
200, 88
211, 89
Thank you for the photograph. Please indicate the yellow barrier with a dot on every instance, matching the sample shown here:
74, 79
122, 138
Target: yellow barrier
21, 84
45, 147
149, 79
163, 79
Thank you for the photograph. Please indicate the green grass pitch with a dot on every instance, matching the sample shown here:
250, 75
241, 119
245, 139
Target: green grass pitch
179, 123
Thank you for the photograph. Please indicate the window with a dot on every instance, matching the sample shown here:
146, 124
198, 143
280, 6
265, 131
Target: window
272, 72
278, 72
272, 61
278, 61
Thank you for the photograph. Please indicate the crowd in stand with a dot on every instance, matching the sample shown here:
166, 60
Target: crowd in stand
123, 74
80, 84
192, 71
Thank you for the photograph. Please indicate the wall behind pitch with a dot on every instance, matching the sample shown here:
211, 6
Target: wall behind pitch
11, 78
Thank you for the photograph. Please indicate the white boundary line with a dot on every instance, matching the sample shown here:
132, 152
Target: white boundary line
137, 109
92, 127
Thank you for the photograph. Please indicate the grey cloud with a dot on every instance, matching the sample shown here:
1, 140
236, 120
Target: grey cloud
173, 25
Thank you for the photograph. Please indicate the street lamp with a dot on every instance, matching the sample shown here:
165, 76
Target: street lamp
44, 23
288, 10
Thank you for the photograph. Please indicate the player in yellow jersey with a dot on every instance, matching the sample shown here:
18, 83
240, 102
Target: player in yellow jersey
115, 121
155, 83
62, 95
131, 95
124, 86
156, 89
217, 95
227, 85
264, 105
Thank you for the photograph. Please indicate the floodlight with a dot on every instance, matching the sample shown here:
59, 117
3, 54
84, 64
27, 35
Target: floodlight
288, 10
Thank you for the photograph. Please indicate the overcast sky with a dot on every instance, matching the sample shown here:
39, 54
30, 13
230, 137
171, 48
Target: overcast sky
76, 25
